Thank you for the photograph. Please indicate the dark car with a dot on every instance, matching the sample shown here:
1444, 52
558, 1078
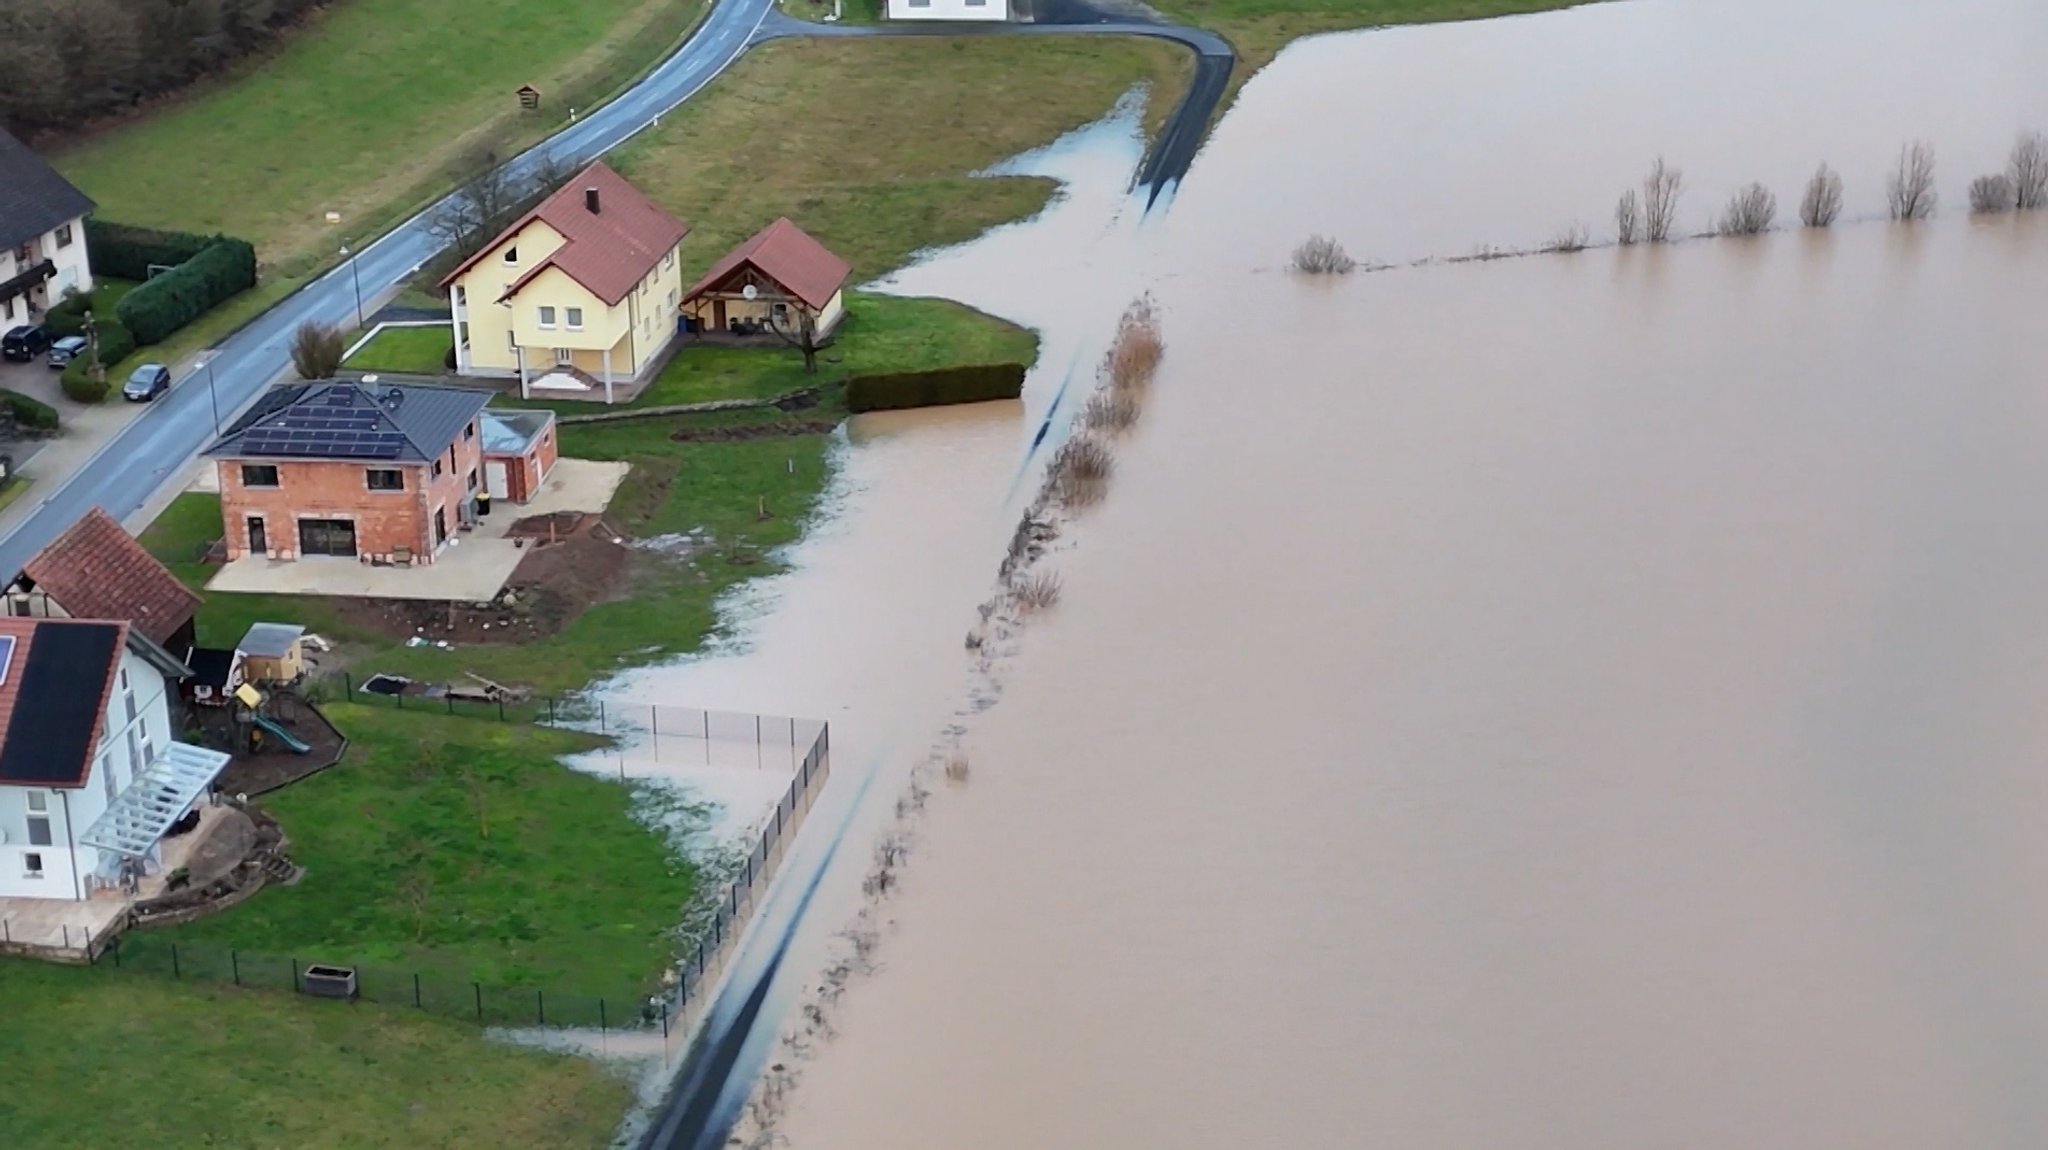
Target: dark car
65, 350
149, 381
24, 343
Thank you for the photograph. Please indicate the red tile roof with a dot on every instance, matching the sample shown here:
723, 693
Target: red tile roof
100, 686
96, 570
609, 250
788, 255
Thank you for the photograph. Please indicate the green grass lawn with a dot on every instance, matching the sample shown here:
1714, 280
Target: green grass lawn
101, 1058
362, 113
414, 350
462, 845
880, 333
179, 536
816, 130
1258, 29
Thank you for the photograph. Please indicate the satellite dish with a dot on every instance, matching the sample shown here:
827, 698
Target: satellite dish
750, 292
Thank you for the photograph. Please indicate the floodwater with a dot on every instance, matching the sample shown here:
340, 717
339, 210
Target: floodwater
1576, 700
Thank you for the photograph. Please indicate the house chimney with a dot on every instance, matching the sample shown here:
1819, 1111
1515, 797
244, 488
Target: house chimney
590, 200
394, 397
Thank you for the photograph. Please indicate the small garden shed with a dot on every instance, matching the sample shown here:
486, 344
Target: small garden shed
519, 450
272, 653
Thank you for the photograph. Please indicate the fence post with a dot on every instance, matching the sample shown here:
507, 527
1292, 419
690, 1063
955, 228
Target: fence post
479, 988
235, 963
540, 1006
664, 1022
399, 698
348, 686
501, 708
707, 726
67, 938
600, 717
700, 959
6, 934
176, 970
295, 975
451, 703
654, 721
551, 710
602, 1024
116, 948
416, 1003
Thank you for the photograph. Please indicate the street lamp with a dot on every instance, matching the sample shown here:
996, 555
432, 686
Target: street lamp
357, 276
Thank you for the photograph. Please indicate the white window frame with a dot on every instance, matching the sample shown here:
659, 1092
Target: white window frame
63, 234
572, 318
545, 316
47, 828
32, 864
511, 256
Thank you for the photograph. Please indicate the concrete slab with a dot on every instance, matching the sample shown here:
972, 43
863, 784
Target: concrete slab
472, 568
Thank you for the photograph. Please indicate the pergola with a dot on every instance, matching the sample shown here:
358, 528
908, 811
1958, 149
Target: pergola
162, 791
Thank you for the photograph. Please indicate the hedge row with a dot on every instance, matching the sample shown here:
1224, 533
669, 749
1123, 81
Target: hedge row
116, 344
30, 412
973, 383
223, 269
127, 252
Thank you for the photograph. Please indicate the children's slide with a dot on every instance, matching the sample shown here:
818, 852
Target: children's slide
297, 745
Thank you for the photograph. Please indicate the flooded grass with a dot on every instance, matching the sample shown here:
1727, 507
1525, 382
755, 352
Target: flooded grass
815, 130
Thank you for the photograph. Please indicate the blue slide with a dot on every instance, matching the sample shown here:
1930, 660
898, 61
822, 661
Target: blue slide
298, 746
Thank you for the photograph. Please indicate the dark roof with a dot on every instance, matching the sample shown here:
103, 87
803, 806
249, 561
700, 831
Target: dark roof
55, 693
33, 197
96, 570
210, 666
398, 423
609, 250
788, 255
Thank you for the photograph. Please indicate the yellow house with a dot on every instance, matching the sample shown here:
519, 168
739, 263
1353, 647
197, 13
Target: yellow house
578, 294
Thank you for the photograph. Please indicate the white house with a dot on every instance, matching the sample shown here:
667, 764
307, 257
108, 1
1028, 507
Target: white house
90, 778
949, 9
42, 234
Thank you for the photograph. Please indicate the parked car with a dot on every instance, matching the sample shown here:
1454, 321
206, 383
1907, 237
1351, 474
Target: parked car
149, 381
24, 342
65, 350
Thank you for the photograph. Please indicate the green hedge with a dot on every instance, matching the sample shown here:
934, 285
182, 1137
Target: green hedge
67, 316
116, 344
152, 312
127, 252
973, 383
30, 412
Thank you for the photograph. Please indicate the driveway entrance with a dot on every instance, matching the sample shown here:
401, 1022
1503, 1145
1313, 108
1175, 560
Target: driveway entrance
327, 537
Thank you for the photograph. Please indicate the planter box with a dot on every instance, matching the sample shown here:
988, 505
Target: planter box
329, 981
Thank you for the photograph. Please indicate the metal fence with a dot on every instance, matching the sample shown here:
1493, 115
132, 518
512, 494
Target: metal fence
671, 1009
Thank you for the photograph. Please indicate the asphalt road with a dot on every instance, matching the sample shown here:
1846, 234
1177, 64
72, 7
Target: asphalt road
153, 449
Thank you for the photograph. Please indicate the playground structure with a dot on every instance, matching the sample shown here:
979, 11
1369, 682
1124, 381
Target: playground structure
257, 725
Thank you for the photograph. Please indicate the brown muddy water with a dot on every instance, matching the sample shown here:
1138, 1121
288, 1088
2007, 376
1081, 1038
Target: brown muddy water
1580, 700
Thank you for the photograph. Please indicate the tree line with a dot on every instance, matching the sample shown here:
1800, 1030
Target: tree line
67, 62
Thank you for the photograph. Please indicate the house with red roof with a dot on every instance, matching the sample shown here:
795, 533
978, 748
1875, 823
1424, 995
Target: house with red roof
577, 296
96, 570
777, 280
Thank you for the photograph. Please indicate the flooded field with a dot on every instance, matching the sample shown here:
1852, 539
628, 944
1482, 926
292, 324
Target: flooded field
1576, 700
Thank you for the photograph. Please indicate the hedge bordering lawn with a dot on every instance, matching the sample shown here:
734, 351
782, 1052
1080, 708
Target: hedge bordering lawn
30, 412
223, 269
128, 252
973, 383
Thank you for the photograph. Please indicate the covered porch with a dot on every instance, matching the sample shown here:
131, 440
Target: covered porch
607, 375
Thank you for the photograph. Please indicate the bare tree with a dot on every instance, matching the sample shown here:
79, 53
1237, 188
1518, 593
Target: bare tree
485, 199
798, 328
1750, 211
1660, 200
2028, 171
1991, 195
1822, 202
1323, 256
1909, 192
1628, 218
316, 351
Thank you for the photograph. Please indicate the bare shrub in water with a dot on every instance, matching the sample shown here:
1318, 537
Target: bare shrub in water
1039, 592
1992, 195
1081, 471
1628, 218
956, 767
2028, 171
1135, 354
1909, 190
1111, 411
1323, 256
1822, 202
1572, 237
1660, 200
1749, 212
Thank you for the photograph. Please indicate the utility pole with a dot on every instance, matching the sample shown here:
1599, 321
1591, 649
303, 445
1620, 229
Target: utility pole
356, 275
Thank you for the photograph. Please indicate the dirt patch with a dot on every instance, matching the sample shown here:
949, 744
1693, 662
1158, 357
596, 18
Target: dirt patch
554, 583
260, 772
786, 429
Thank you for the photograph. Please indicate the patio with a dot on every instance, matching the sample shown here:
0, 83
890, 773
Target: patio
61, 928
472, 568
